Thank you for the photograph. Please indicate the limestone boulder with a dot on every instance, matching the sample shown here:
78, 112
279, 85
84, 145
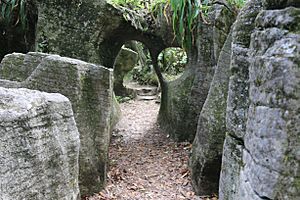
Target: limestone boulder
237, 101
39, 146
90, 90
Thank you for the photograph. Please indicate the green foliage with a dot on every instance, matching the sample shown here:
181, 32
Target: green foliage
133, 4
139, 4
122, 99
145, 75
185, 14
172, 61
158, 7
237, 3
13, 12
185, 19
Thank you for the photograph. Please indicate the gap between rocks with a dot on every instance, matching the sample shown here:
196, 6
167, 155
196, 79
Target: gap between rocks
144, 162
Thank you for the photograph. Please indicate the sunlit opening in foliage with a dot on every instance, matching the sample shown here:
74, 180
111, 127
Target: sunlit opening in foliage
172, 62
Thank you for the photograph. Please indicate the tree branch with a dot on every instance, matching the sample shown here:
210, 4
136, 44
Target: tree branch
221, 2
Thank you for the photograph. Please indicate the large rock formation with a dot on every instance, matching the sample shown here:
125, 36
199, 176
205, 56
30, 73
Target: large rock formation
183, 98
39, 146
261, 152
89, 88
205, 161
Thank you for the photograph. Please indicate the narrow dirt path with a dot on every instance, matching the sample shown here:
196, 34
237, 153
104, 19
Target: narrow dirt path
144, 162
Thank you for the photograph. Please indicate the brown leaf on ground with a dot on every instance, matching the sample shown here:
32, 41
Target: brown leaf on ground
144, 162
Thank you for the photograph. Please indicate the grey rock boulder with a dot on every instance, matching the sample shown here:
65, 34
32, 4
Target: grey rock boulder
271, 154
89, 87
39, 146
237, 101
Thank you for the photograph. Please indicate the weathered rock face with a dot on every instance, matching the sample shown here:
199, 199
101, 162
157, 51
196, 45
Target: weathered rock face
39, 146
125, 62
184, 98
89, 88
238, 100
261, 152
18, 66
72, 28
205, 161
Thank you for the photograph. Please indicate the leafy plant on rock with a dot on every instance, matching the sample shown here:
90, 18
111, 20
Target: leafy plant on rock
13, 13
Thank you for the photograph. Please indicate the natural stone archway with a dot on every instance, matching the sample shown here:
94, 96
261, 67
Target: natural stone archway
105, 30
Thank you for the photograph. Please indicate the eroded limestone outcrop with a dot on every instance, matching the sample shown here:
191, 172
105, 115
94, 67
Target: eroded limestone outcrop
261, 152
89, 88
39, 146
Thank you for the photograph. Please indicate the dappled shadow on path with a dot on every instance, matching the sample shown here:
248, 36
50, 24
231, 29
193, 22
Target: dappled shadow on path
144, 162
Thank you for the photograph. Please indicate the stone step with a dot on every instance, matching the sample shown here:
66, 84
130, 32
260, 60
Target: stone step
146, 98
146, 91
